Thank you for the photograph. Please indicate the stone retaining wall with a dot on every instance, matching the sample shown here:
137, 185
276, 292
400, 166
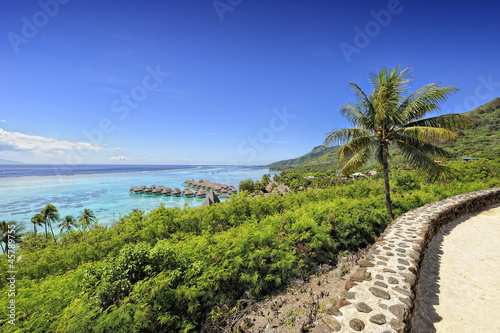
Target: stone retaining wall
379, 295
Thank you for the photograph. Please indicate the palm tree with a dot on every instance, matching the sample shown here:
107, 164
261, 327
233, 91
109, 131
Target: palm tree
87, 218
67, 223
4, 230
386, 118
37, 220
10, 230
50, 214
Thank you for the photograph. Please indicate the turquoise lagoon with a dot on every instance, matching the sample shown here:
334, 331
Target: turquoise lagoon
107, 194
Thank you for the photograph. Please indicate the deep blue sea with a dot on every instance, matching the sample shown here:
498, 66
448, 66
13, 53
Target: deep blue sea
25, 189
23, 170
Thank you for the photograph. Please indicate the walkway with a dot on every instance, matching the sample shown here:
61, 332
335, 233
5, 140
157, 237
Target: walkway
459, 284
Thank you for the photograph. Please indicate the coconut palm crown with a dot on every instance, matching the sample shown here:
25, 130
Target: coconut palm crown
388, 118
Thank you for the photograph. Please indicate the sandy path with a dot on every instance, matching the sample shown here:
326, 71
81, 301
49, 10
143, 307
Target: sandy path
459, 289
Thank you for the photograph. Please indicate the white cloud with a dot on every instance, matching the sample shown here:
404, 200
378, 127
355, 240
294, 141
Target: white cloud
3, 121
118, 158
20, 141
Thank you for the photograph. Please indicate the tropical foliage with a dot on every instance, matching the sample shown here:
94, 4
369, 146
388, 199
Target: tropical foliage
386, 118
179, 270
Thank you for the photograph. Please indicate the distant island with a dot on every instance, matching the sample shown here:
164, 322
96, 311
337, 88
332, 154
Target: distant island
2, 161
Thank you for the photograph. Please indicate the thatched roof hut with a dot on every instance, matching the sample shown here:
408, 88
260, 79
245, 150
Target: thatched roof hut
148, 190
201, 193
188, 193
166, 191
211, 199
176, 192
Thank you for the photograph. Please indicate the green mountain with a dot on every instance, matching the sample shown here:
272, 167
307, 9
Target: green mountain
482, 140
317, 152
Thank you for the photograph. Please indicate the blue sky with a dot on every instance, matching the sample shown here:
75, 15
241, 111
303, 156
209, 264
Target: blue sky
219, 82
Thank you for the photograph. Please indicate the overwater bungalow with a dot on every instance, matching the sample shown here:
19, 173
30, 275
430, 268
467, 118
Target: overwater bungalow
157, 191
176, 192
188, 193
166, 191
201, 193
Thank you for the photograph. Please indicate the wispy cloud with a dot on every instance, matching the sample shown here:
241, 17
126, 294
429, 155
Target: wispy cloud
19, 141
3, 121
118, 158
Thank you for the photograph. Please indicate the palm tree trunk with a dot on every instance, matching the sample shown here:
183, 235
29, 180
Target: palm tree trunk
386, 181
46, 233
52, 231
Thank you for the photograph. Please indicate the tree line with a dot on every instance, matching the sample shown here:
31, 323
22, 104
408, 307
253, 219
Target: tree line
48, 216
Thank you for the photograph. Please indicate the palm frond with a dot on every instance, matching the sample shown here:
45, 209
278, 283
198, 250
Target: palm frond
423, 135
356, 145
341, 136
352, 112
450, 121
388, 94
425, 100
364, 105
421, 161
434, 151
356, 161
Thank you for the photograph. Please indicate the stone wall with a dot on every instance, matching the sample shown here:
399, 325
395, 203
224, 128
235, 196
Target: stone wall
379, 295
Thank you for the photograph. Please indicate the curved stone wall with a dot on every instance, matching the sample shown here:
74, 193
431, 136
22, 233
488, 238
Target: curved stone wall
379, 295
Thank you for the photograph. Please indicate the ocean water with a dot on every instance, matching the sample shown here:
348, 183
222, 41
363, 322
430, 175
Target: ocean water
104, 189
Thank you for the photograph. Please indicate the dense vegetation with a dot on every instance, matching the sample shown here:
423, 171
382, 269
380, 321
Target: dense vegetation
179, 270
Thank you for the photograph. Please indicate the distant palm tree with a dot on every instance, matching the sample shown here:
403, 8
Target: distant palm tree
86, 219
4, 228
37, 220
386, 118
67, 223
10, 230
50, 214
